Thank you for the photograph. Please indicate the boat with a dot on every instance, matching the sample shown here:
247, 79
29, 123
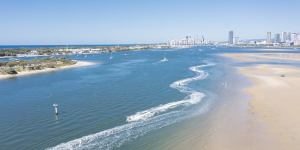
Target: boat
164, 59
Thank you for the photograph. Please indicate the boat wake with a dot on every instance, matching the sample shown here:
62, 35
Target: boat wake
144, 121
181, 85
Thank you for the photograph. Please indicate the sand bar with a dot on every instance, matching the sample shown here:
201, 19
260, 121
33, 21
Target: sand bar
275, 97
252, 57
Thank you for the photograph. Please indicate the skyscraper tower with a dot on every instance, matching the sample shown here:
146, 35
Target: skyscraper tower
277, 38
230, 37
294, 37
283, 37
289, 36
269, 38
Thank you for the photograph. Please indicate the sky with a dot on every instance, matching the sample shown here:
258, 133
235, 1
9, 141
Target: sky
28, 22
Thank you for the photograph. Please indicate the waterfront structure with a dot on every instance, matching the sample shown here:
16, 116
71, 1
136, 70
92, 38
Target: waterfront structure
55, 109
236, 40
230, 37
188, 41
283, 37
269, 38
289, 36
297, 40
277, 38
294, 37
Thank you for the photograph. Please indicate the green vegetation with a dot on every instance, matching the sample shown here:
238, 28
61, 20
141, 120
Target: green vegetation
72, 50
14, 67
13, 52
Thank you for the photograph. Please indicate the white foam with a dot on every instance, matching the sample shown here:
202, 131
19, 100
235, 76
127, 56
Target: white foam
193, 96
144, 115
115, 137
142, 122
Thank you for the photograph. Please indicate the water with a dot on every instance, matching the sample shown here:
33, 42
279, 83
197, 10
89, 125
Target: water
125, 102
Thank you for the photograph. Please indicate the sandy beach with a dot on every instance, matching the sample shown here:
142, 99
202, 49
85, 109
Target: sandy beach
26, 73
252, 57
274, 97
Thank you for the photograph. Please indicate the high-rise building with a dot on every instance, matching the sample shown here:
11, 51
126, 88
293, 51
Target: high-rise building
269, 38
289, 36
277, 38
283, 37
230, 37
294, 37
236, 40
297, 40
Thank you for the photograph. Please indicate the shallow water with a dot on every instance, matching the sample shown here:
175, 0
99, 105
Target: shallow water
131, 101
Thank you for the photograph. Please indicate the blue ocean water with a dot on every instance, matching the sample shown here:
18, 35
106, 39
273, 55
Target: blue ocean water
113, 104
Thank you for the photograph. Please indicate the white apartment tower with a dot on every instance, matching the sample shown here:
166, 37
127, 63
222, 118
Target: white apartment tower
269, 38
283, 37
230, 37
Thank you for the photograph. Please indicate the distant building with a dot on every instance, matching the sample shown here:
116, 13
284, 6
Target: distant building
289, 36
269, 38
230, 37
297, 40
294, 37
187, 41
277, 38
283, 37
236, 40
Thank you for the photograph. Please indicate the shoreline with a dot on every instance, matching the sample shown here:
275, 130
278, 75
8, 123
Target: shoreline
28, 73
254, 57
274, 101
228, 124
274, 96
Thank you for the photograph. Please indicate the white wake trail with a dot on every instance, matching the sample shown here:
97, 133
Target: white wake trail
193, 96
141, 122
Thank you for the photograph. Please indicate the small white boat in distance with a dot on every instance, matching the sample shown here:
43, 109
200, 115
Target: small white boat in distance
164, 59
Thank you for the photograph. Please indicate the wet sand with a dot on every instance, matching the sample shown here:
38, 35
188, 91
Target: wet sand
257, 110
228, 125
253, 57
275, 97
276, 100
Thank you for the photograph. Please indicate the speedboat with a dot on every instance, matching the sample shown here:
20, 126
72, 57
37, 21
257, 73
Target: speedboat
164, 59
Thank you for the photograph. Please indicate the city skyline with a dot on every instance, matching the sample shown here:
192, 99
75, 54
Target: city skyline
69, 22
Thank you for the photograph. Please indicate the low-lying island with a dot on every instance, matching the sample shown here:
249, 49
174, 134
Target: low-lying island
28, 67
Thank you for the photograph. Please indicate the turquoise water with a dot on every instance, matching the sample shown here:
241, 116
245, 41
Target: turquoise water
119, 103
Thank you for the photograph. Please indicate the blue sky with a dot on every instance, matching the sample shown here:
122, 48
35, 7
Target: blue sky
141, 21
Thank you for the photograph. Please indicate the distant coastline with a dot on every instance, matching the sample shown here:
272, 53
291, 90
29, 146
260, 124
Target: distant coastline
15, 51
54, 50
